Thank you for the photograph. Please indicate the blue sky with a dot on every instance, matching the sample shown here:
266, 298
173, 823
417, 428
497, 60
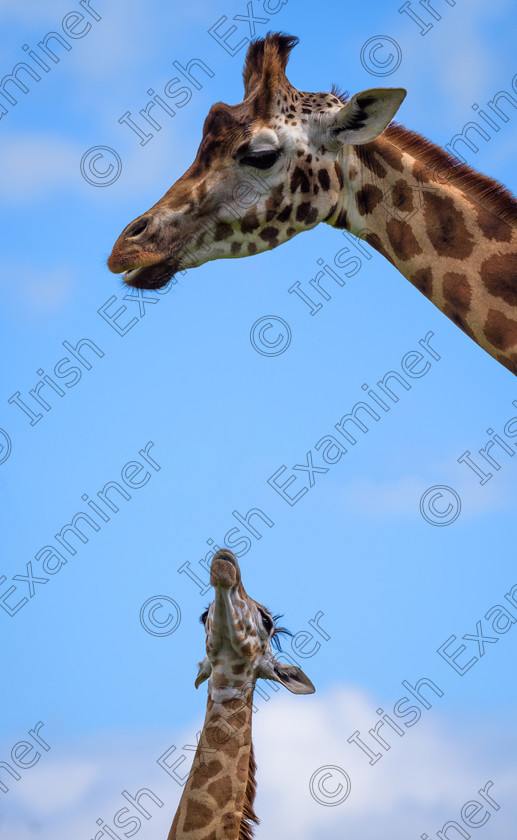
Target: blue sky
223, 419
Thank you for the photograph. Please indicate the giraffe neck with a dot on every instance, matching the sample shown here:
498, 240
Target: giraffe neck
217, 801
453, 235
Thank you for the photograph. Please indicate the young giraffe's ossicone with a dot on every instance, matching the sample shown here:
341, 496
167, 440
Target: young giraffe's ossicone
217, 800
284, 160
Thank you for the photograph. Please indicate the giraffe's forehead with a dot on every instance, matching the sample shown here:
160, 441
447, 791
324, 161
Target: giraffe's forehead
286, 120
225, 128
226, 121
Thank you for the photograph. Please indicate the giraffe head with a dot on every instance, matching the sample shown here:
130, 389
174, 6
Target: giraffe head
239, 632
266, 169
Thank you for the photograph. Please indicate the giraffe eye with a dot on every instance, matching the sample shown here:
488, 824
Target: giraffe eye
266, 621
204, 617
261, 160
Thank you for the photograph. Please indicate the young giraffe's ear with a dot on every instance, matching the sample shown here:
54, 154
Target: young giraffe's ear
289, 676
366, 115
205, 669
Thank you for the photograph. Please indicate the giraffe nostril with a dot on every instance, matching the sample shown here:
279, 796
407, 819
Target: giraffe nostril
136, 228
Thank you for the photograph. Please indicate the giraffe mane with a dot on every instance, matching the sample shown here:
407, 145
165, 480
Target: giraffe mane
249, 816
492, 195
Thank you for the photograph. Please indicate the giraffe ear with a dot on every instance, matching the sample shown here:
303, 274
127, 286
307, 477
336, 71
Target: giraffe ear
292, 678
364, 117
205, 669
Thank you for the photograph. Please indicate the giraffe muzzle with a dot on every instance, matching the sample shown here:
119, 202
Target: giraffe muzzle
141, 256
224, 570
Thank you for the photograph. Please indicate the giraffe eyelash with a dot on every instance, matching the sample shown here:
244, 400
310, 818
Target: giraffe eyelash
275, 641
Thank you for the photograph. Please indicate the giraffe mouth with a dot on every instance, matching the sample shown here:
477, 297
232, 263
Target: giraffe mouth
151, 276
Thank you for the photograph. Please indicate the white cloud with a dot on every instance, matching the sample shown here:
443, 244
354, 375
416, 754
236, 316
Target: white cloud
458, 53
36, 290
402, 496
47, 794
421, 782
424, 779
38, 166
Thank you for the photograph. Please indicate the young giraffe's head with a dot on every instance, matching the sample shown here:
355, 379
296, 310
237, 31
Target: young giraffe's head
265, 170
239, 633
217, 799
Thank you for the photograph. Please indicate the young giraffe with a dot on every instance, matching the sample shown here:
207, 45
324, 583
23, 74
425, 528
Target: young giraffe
217, 800
449, 230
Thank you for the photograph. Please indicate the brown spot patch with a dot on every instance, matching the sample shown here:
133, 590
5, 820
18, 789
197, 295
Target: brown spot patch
239, 668
457, 291
236, 247
252, 248
366, 155
499, 274
274, 201
339, 174
299, 179
219, 736
422, 173
500, 330
376, 243
367, 199
323, 178
250, 222
492, 227
446, 227
285, 213
390, 154
402, 240
222, 231
352, 172
200, 775
305, 213
197, 816
402, 196
270, 235
423, 280
221, 790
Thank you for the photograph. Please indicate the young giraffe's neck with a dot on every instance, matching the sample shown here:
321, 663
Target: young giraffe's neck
455, 242
217, 801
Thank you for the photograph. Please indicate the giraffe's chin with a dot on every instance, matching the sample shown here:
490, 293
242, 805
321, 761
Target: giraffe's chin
151, 276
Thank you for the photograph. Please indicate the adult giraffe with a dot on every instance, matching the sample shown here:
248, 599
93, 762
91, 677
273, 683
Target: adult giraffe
283, 160
217, 800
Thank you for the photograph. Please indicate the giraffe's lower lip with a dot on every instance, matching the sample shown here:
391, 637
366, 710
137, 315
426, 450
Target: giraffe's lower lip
152, 276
